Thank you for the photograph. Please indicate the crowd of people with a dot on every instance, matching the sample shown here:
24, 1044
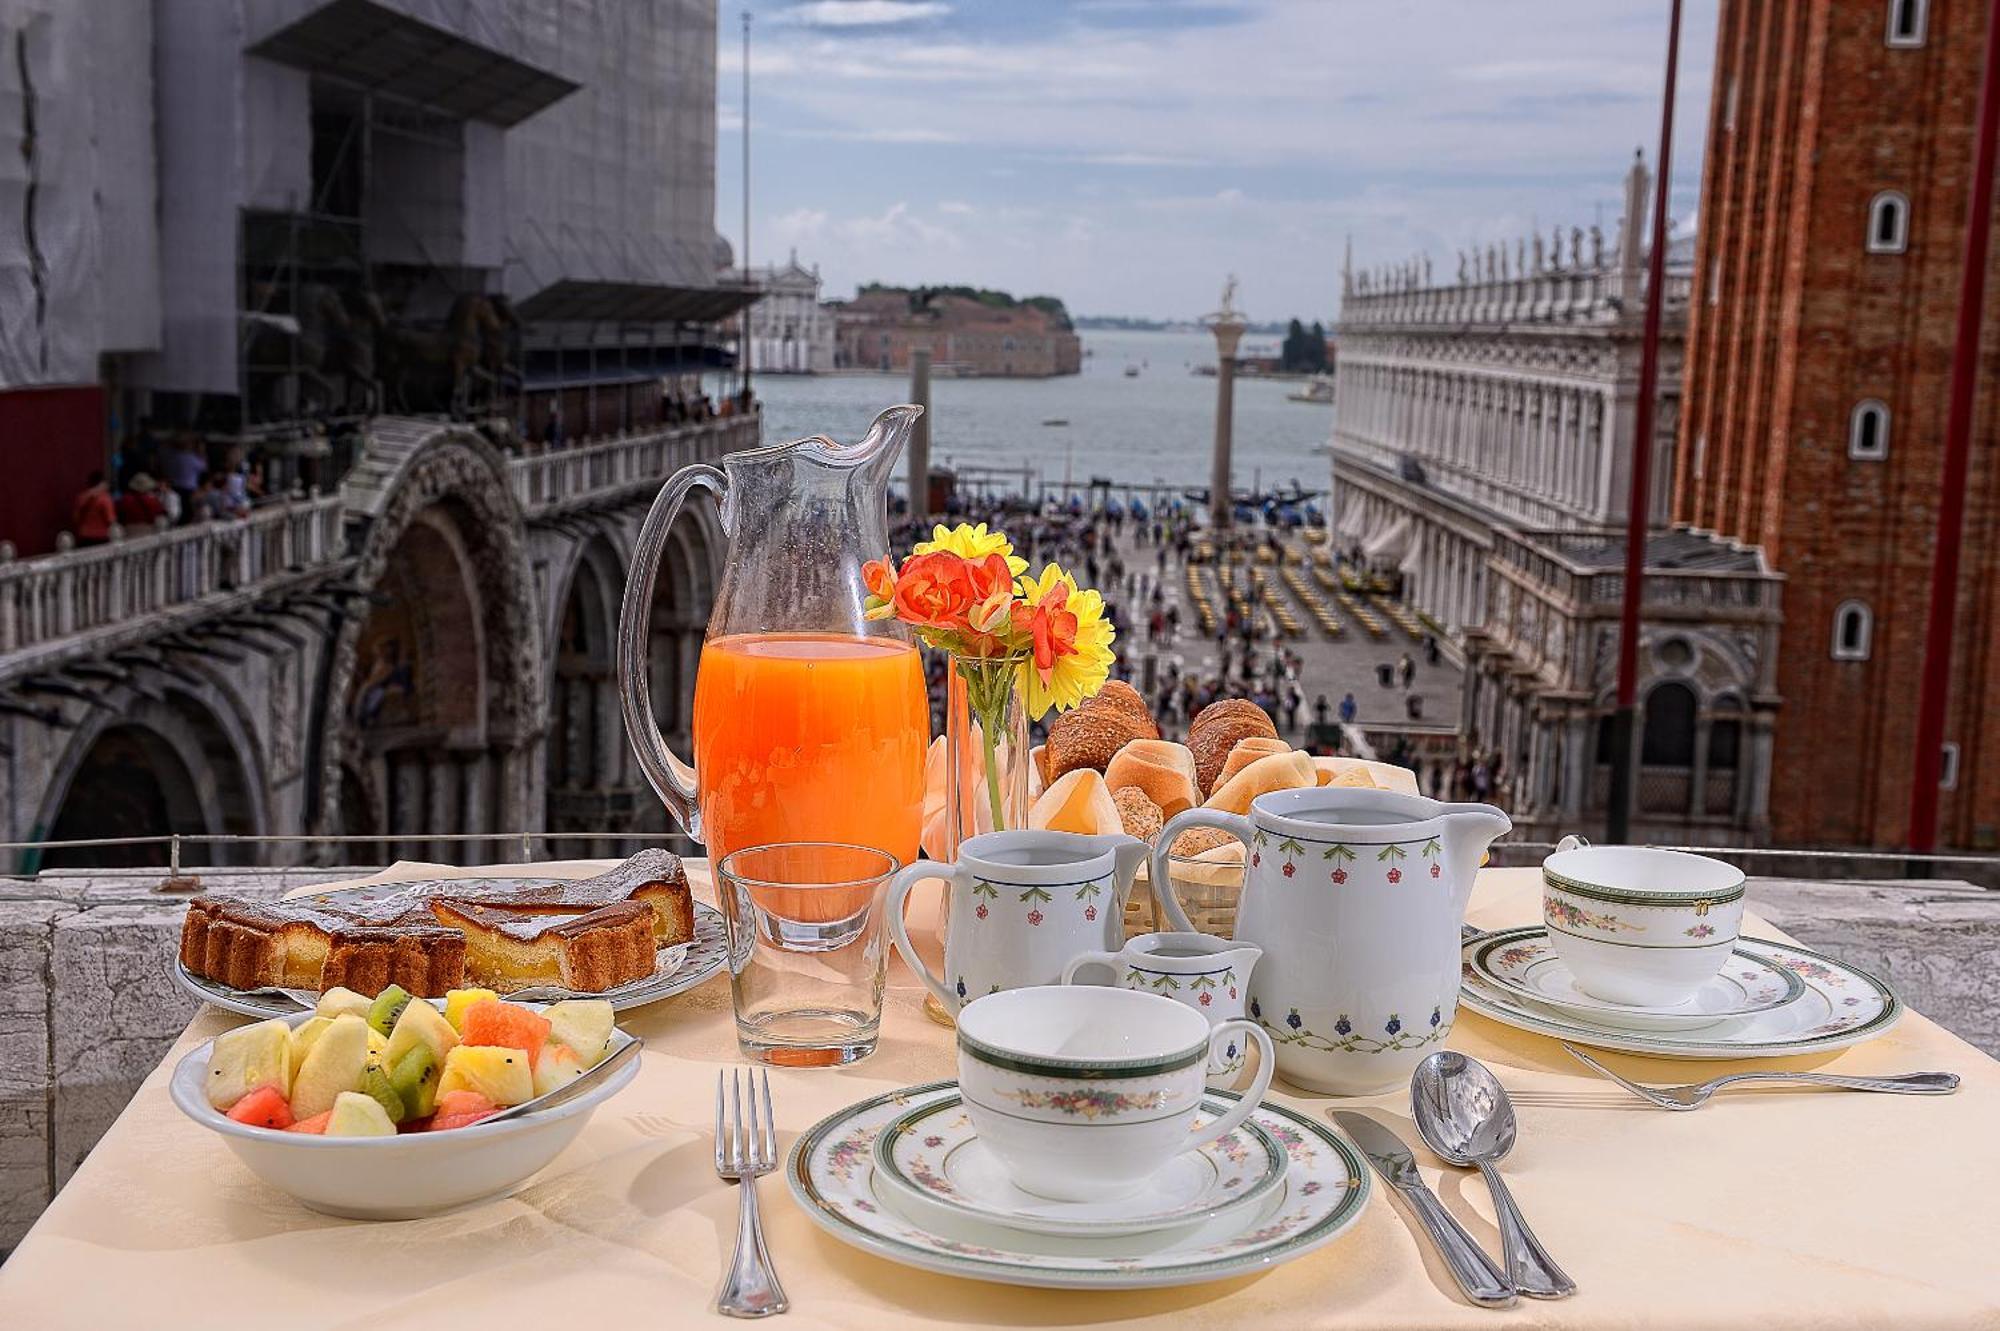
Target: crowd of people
155, 477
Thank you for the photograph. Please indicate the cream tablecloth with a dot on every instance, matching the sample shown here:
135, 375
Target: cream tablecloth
1763, 1210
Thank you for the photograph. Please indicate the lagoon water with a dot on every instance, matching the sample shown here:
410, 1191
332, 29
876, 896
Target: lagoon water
1156, 427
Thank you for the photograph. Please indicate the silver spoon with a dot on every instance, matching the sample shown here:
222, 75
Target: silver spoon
570, 1090
1464, 1116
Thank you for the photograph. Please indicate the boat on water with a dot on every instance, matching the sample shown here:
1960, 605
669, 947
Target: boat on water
1056, 421
1131, 372
1318, 389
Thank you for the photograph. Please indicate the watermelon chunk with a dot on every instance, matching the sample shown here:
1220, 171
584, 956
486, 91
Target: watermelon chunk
492, 1022
446, 1122
455, 1109
265, 1107
316, 1125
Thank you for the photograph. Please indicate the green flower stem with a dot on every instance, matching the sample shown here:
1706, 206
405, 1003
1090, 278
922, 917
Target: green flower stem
989, 686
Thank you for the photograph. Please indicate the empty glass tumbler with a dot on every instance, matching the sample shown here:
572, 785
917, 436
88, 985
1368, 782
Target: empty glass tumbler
807, 950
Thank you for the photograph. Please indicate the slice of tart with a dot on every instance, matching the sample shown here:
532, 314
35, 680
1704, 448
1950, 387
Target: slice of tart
588, 951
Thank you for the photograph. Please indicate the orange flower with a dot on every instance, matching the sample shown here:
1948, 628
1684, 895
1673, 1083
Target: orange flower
879, 576
1050, 627
935, 591
993, 585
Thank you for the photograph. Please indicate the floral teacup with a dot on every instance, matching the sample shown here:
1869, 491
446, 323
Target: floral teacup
1084, 1092
1640, 926
1209, 974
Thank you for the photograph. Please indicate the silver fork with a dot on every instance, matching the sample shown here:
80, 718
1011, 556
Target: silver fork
746, 1148
1695, 1096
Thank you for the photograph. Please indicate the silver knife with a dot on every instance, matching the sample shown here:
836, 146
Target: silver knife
1483, 1282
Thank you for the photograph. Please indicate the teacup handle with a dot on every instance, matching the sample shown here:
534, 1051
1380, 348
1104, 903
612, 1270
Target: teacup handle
1082, 959
1572, 842
899, 894
1164, 899
1266, 1065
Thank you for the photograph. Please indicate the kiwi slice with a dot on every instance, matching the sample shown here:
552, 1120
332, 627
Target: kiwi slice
376, 1086
415, 1080
388, 1006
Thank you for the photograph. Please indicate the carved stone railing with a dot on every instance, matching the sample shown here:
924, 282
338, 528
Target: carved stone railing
75, 593
561, 478
1563, 296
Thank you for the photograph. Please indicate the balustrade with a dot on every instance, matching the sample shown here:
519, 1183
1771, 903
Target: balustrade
632, 461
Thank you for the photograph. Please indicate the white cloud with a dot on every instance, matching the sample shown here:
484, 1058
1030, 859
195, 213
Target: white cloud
860, 13
956, 207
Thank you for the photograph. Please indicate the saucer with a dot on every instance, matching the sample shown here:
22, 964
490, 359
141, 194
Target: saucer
1524, 963
831, 1172
1842, 1005
932, 1153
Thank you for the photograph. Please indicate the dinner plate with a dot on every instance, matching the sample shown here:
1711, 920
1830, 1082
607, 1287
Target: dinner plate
933, 1154
1842, 1005
832, 1175
1525, 964
681, 967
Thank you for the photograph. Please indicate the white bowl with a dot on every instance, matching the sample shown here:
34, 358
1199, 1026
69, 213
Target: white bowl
406, 1176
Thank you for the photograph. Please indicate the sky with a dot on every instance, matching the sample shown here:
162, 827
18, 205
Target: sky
1127, 155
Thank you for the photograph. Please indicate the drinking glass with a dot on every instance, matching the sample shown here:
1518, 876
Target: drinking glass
807, 950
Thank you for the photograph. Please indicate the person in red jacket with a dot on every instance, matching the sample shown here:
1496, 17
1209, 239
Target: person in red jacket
92, 514
139, 507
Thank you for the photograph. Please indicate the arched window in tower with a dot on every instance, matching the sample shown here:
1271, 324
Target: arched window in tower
1888, 223
1853, 631
1907, 22
1668, 740
1868, 431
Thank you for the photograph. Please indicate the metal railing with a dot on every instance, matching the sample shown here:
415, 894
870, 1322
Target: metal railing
632, 461
73, 592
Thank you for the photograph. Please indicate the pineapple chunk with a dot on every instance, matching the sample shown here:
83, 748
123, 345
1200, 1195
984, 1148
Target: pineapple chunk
248, 1057
500, 1074
458, 1000
335, 1063
557, 1066
584, 1024
358, 1115
338, 1000
378, 1043
420, 1024
303, 1036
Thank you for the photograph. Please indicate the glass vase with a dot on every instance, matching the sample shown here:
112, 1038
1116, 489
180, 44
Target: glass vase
986, 761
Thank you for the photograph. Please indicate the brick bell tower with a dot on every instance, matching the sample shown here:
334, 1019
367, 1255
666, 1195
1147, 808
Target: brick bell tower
1833, 203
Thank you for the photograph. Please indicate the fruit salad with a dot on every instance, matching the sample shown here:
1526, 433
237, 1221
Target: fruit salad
376, 1067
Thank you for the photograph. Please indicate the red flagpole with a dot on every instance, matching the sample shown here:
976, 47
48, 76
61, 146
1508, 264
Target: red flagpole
1936, 683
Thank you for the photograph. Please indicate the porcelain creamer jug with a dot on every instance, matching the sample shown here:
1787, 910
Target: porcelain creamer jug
1356, 897
1021, 904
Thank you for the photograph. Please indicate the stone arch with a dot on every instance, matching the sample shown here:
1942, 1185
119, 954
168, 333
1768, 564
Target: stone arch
588, 780
435, 701
183, 761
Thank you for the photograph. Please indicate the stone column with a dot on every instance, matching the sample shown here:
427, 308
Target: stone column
1704, 723
1228, 328
920, 433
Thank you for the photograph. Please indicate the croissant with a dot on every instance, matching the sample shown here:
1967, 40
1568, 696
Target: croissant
1162, 769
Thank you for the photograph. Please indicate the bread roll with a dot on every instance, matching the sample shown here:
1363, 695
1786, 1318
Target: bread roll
1077, 802
1122, 698
1220, 727
1382, 776
1161, 768
1248, 751
1137, 815
1086, 737
1278, 771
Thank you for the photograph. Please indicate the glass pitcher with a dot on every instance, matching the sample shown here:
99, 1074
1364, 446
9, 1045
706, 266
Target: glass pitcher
810, 721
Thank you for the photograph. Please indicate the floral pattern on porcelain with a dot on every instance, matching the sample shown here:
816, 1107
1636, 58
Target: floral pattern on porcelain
1577, 916
1090, 1102
1396, 1037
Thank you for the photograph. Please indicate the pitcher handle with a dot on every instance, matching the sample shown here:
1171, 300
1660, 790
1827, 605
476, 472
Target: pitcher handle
899, 895
1205, 1133
635, 690
1164, 900
1110, 960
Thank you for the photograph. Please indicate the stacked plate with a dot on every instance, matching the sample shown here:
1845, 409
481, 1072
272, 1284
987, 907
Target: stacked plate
1771, 999
905, 1176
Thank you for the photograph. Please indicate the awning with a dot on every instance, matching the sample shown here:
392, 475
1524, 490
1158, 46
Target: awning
577, 300
1389, 544
364, 43
1350, 518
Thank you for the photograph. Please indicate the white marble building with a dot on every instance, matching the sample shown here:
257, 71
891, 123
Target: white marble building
790, 331
1482, 457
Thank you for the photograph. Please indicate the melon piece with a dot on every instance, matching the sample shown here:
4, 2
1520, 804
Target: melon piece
509, 1024
264, 1107
500, 1073
557, 1067
420, 1024
415, 1079
457, 1001
248, 1057
584, 1024
314, 1126
358, 1115
455, 1109
303, 1036
333, 1065
339, 1000
388, 1006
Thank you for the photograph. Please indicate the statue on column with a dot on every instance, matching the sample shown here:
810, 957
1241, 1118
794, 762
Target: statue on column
1596, 246
1556, 248
1538, 251
1427, 270
1461, 268
1228, 308
1576, 246
1520, 258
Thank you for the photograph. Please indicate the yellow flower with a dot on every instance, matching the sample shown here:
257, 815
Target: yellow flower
1072, 655
973, 543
